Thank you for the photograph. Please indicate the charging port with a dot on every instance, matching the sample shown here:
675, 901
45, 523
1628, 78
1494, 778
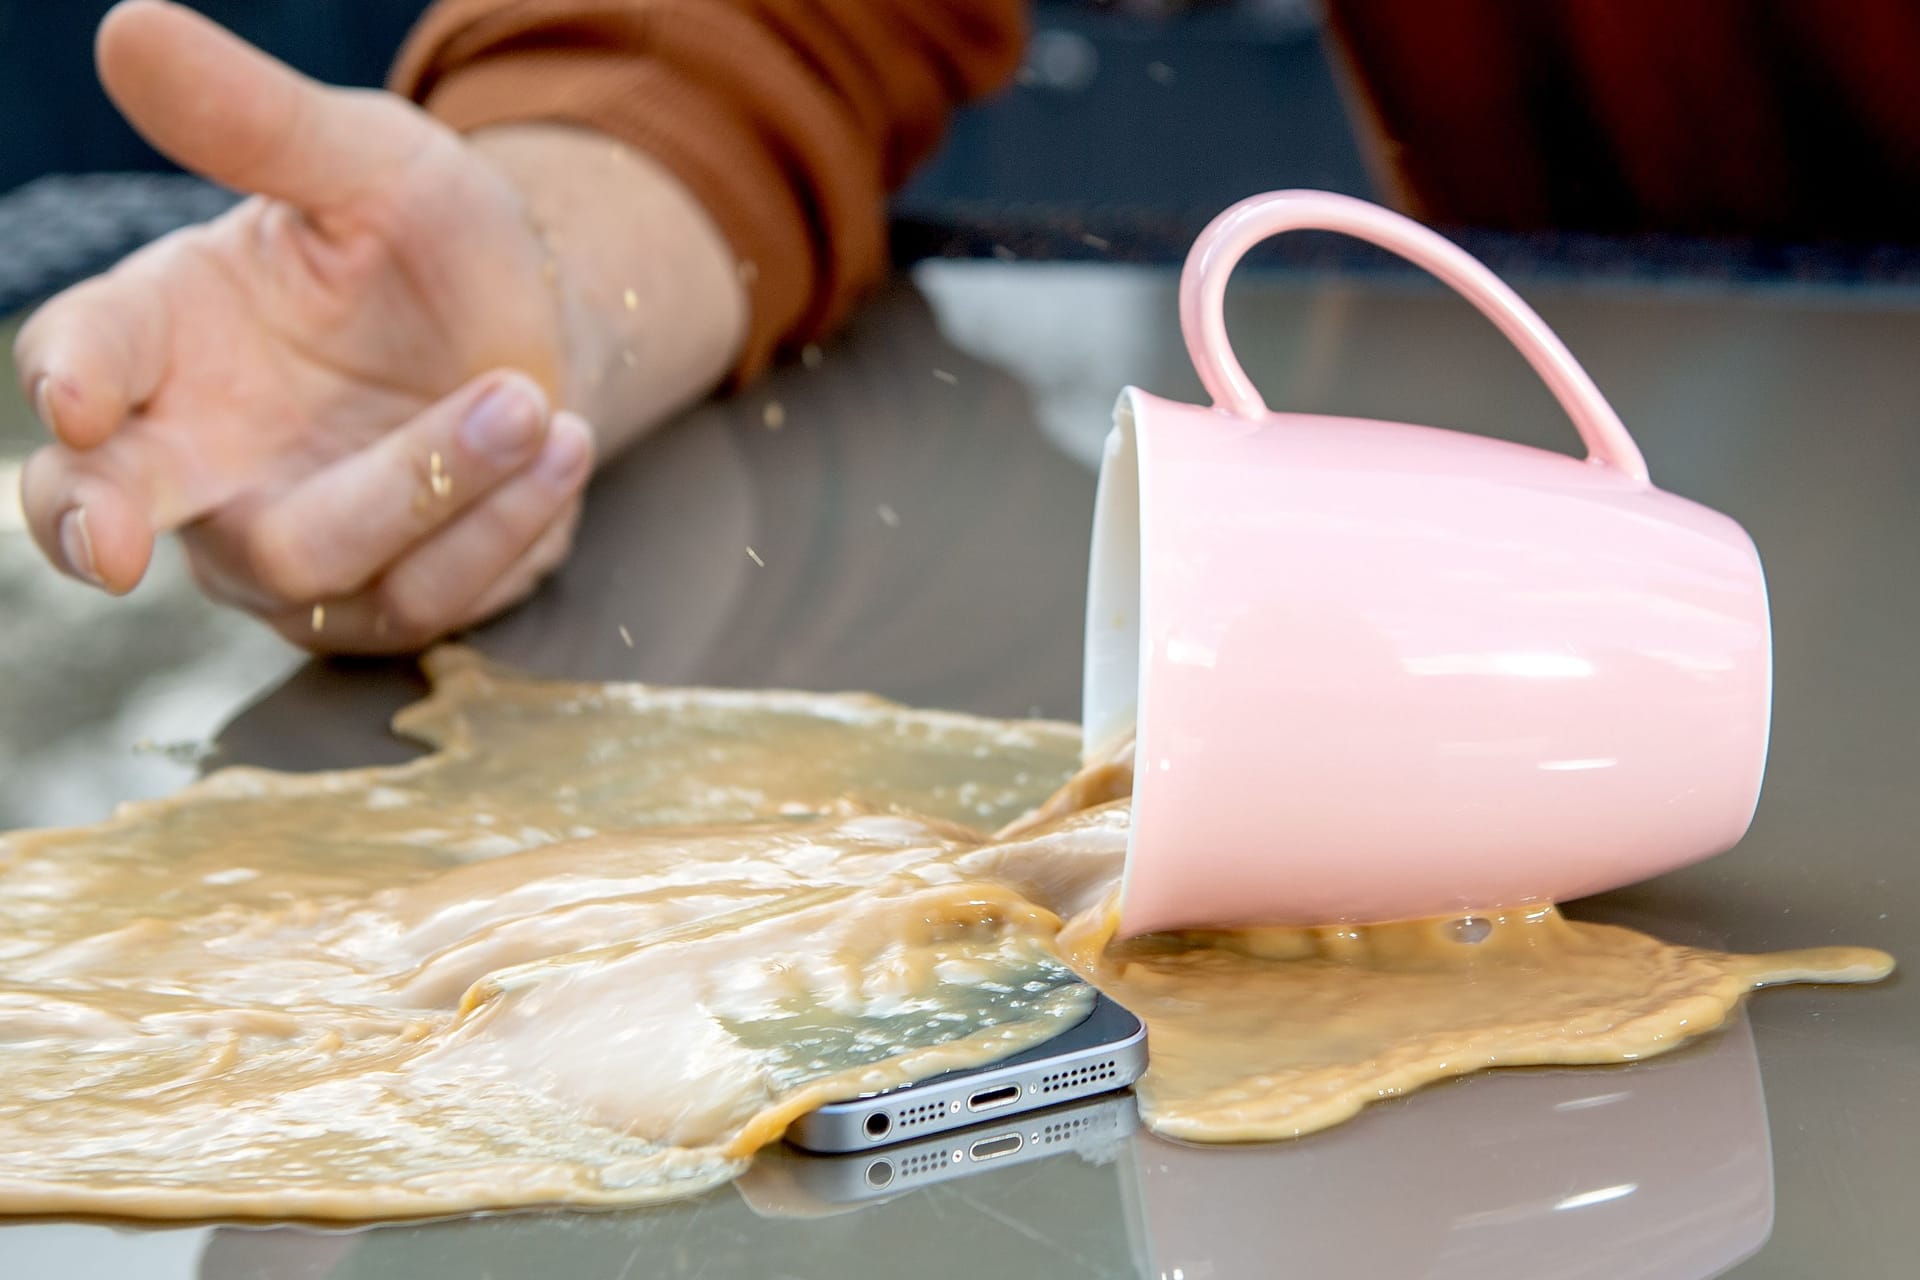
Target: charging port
988, 1099
993, 1148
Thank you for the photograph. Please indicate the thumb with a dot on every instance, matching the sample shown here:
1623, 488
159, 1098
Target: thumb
214, 104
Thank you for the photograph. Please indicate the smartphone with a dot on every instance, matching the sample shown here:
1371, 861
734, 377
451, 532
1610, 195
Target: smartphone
1106, 1051
1091, 1128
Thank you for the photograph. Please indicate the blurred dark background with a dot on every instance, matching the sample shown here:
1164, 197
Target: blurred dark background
1121, 103
59, 120
1734, 140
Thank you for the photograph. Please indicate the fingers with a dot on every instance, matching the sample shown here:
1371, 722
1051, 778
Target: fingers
337, 530
547, 553
480, 562
215, 104
89, 524
89, 360
95, 513
94, 354
431, 590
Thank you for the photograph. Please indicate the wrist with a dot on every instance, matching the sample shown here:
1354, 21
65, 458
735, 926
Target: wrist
650, 305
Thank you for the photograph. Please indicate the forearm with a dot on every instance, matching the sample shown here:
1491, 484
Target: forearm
653, 312
787, 120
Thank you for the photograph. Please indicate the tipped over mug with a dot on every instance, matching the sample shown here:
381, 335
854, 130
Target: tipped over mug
1377, 671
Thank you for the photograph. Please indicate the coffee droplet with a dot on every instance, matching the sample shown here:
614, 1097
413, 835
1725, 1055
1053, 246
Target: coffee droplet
1470, 929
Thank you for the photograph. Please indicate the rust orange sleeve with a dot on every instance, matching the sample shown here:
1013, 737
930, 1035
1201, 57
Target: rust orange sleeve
790, 120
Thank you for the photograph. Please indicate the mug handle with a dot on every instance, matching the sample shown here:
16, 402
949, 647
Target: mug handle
1203, 289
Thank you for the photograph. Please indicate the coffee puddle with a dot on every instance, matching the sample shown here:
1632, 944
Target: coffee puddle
1274, 1033
608, 940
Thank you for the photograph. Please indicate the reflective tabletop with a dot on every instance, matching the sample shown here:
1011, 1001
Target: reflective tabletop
919, 528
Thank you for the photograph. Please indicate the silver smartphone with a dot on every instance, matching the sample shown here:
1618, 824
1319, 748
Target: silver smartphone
1091, 1128
1105, 1051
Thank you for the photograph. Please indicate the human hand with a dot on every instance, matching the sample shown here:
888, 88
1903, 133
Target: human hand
342, 392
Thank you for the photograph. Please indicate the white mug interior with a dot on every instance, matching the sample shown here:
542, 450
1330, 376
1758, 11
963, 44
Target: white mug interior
1110, 691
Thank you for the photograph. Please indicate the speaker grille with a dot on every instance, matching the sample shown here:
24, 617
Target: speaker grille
1064, 1130
1091, 1074
924, 1163
914, 1117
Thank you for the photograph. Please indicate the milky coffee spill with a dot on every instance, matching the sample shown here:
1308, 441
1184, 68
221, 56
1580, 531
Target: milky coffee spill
1277, 1032
608, 940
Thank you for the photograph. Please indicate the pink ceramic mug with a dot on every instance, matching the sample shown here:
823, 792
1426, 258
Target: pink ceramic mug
1380, 671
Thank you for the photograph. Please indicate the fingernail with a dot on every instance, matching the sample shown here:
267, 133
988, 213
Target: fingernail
569, 450
43, 401
76, 545
504, 424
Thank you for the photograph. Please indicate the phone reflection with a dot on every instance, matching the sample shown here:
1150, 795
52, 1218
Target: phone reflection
786, 1182
1064, 1214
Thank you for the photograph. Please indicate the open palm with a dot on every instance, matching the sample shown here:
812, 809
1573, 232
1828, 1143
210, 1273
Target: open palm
316, 388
